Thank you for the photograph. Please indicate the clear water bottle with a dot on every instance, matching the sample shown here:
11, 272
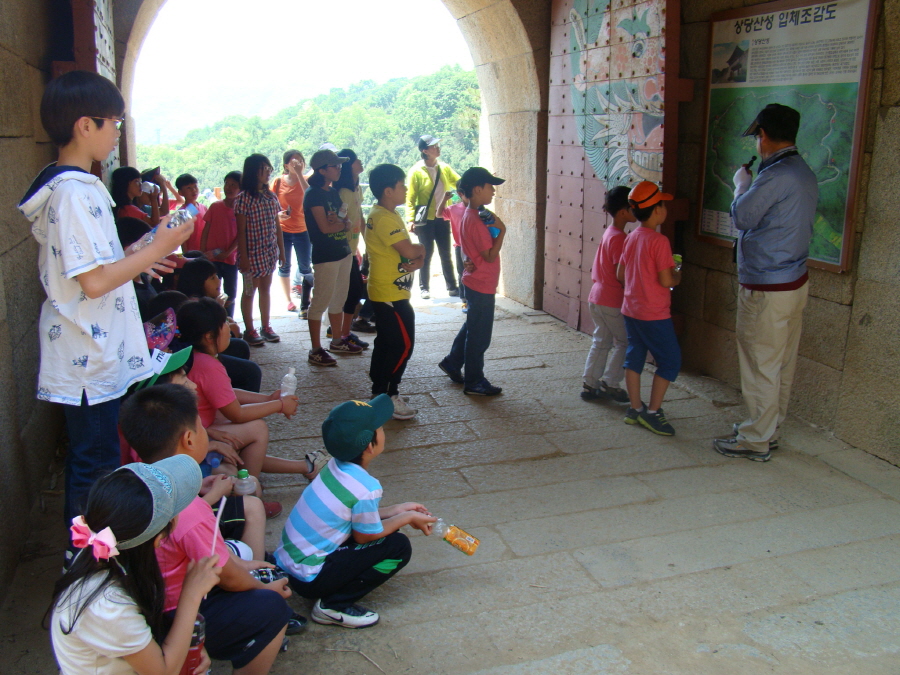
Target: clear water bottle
178, 218
289, 383
244, 484
342, 212
195, 652
456, 537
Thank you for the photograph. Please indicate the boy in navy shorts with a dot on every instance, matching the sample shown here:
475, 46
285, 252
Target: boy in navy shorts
648, 272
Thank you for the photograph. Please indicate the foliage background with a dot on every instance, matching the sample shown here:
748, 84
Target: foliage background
381, 123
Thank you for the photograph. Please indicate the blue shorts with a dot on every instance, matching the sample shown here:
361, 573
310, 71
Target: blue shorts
657, 337
240, 625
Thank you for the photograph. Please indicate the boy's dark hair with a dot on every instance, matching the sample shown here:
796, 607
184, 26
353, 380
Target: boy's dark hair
289, 155
193, 276
616, 200
153, 419
184, 180
250, 177
644, 214
233, 175
130, 230
358, 458
74, 95
119, 181
164, 301
198, 318
384, 176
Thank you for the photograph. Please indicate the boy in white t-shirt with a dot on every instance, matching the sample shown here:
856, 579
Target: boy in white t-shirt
92, 342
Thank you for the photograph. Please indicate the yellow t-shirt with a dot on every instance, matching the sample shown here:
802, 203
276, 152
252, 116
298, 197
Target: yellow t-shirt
387, 280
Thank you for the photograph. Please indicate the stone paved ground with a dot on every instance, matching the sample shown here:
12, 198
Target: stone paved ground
604, 549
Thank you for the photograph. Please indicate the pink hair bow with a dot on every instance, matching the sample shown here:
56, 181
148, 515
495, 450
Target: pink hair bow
104, 542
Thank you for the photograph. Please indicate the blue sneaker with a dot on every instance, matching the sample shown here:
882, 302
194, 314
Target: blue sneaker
483, 388
454, 375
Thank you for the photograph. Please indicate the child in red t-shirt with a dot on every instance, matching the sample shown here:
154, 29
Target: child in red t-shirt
603, 370
649, 272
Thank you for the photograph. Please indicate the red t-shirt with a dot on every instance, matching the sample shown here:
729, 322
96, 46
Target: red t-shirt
131, 211
193, 242
214, 388
607, 290
475, 238
191, 540
222, 229
645, 255
454, 214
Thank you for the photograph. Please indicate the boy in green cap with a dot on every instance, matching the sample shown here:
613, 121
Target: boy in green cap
338, 544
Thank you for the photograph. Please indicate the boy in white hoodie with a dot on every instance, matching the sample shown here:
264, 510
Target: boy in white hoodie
92, 342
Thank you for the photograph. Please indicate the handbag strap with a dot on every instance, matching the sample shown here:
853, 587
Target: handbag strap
437, 178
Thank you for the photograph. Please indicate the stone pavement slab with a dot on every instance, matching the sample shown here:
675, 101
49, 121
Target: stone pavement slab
604, 549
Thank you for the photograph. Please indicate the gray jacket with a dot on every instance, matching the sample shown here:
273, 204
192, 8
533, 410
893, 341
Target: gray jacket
775, 218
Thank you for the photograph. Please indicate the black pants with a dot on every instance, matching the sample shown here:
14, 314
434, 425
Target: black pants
244, 373
356, 290
393, 345
436, 231
354, 570
228, 274
457, 250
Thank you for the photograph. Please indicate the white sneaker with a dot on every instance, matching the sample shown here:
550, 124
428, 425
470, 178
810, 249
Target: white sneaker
353, 616
402, 410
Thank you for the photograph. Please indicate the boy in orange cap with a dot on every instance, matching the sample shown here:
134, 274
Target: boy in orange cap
648, 272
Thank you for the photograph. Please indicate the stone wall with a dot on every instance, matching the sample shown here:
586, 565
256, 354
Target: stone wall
29, 428
850, 349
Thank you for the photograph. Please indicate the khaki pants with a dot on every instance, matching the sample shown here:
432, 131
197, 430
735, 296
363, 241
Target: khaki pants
768, 335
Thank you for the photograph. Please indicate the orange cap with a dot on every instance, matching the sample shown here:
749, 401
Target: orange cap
646, 194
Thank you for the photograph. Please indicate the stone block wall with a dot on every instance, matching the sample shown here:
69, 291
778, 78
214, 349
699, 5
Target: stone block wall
29, 428
850, 349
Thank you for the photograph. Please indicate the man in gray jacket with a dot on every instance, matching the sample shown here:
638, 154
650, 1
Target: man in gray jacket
774, 215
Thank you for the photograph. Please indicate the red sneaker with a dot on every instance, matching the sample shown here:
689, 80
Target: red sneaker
272, 509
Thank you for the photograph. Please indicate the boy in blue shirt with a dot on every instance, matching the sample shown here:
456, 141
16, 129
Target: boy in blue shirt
339, 543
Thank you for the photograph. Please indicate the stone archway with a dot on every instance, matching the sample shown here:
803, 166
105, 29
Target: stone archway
509, 43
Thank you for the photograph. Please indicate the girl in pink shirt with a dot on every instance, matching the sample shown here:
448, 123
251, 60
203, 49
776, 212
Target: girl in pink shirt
234, 416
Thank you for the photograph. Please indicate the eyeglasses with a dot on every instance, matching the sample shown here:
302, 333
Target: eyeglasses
119, 121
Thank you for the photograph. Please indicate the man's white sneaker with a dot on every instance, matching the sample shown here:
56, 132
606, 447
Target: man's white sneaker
353, 616
402, 410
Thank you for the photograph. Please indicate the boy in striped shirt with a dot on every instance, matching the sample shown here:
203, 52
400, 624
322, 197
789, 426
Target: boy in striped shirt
338, 544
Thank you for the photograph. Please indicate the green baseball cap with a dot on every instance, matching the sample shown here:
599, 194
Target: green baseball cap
349, 427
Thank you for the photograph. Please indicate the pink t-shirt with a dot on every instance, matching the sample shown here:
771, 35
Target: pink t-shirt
454, 214
214, 388
222, 229
191, 540
193, 242
475, 238
607, 290
646, 254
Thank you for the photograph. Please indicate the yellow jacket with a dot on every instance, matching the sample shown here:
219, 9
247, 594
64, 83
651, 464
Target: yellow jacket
419, 186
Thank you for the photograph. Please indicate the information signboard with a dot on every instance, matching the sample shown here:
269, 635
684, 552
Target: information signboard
815, 58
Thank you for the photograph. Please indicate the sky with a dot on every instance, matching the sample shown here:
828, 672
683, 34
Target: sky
204, 60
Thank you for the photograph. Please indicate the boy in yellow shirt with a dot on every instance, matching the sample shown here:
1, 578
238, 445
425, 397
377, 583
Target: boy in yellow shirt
392, 260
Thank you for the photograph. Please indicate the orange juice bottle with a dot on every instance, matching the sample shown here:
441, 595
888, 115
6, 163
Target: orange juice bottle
456, 537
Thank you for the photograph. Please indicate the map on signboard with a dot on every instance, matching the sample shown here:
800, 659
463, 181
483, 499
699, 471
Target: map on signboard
808, 59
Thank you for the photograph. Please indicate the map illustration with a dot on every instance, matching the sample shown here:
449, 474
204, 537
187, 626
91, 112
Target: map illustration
827, 113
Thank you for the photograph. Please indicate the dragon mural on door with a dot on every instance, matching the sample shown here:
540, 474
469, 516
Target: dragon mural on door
608, 70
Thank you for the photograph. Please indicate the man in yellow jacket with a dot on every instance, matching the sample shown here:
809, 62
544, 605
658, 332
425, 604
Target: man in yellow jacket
423, 192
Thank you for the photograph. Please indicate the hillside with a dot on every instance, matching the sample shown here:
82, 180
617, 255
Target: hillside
380, 122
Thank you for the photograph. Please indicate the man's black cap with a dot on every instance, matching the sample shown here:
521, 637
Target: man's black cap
780, 122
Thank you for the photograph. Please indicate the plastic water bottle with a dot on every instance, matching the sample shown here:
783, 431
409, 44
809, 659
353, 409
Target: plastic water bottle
178, 218
342, 212
456, 537
244, 484
289, 383
195, 652
214, 458
487, 217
